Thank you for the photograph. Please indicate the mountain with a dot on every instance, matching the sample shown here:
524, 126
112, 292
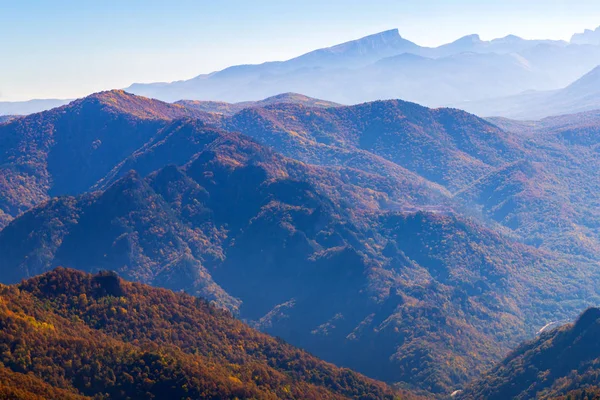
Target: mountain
30, 106
568, 126
506, 45
37, 152
512, 180
99, 132
253, 82
414, 245
405, 77
386, 147
230, 109
293, 264
466, 70
7, 118
587, 37
86, 335
345, 243
581, 95
559, 364
394, 130
378, 138
356, 53
440, 81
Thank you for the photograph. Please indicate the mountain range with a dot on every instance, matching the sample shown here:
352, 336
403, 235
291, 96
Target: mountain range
509, 77
386, 66
587, 37
414, 245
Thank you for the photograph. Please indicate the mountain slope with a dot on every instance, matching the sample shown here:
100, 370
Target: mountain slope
506, 45
562, 363
581, 95
104, 133
549, 198
38, 152
99, 335
358, 52
473, 161
587, 37
387, 147
397, 131
323, 248
452, 79
262, 236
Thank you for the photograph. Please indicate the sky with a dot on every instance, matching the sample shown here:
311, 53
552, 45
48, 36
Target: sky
68, 49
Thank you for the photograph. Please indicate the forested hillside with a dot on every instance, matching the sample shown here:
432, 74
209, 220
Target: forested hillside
66, 334
332, 228
563, 363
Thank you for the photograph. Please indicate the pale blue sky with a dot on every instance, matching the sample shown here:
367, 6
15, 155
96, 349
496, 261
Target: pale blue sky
66, 49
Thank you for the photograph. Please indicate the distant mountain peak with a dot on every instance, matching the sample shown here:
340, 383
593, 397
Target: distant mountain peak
29, 106
386, 38
347, 72
474, 38
587, 37
366, 49
390, 33
508, 39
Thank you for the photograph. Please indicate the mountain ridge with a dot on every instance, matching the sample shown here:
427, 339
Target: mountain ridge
346, 73
561, 363
325, 226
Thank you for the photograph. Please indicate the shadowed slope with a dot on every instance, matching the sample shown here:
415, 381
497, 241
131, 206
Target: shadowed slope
562, 363
266, 237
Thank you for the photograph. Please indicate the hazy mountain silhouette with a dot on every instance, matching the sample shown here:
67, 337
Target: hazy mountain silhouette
581, 95
29, 107
587, 37
353, 72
